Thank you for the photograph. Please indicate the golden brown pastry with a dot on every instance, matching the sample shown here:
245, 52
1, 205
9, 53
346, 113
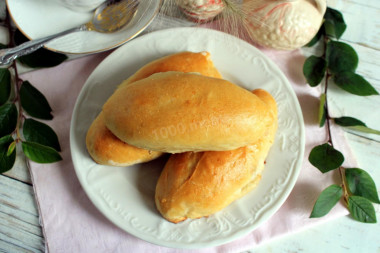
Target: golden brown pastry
194, 185
105, 148
183, 62
176, 112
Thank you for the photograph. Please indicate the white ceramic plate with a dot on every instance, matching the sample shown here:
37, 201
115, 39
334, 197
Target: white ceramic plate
126, 195
40, 18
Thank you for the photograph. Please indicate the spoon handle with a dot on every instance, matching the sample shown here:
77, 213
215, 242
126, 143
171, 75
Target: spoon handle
8, 55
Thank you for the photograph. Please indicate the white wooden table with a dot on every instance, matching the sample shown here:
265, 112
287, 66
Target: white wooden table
19, 221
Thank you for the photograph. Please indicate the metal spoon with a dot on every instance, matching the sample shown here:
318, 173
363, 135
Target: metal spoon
109, 17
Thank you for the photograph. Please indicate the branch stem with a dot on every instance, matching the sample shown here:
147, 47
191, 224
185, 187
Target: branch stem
341, 169
344, 184
326, 107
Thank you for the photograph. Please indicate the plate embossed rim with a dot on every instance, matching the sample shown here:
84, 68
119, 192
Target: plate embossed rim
125, 195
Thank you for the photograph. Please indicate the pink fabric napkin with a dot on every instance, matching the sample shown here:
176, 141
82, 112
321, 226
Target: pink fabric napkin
71, 223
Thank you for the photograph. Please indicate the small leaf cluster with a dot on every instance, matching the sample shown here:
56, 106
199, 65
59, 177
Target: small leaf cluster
358, 189
339, 62
39, 142
21, 104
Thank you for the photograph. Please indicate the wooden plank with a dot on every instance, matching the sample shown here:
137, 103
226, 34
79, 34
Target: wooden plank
367, 153
362, 26
20, 230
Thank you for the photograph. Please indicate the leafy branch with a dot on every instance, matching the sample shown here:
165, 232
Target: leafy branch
20, 102
337, 65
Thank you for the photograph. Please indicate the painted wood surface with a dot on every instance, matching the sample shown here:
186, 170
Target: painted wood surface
20, 230
19, 223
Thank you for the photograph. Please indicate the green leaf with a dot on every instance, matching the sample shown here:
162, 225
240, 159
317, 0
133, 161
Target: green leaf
326, 201
354, 83
322, 111
11, 148
35, 131
6, 161
355, 124
314, 70
364, 129
8, 118
348, 121
42, 58
341, 57
40, 153
361, 209
334, 23
325, 158
5, 85
361, 184
316, 38
34, 102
